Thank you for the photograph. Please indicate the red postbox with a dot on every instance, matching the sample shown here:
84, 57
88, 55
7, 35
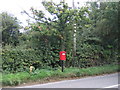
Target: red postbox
62, 55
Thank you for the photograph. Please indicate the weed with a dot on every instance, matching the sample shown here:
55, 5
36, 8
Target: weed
24, 77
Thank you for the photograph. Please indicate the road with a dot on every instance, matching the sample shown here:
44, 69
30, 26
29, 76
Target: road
103, 81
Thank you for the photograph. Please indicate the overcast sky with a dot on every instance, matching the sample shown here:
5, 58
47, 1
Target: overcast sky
15, 7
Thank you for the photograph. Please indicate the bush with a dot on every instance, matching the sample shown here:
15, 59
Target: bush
18, 60
94, 55
15, 60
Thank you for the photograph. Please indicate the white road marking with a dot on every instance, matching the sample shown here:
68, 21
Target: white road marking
112, 86
44, 84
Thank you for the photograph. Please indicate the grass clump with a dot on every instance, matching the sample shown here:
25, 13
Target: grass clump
15, 79
37, 75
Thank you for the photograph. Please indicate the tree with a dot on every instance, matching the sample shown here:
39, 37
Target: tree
104, 28
61, 24
105, 22
62, 21
10, 29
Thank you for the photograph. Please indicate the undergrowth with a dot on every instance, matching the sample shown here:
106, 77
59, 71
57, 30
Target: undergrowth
37, 75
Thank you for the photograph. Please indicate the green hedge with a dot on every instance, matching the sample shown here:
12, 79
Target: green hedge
19, 60
95, 55
16, 60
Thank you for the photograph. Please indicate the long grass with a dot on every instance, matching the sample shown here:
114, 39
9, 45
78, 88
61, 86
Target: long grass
38, 75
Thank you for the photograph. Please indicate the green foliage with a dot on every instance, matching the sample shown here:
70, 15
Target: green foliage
62, 22
105, 22
15, 79
47, 74
36, 52
94, 55
10, 29
96, 34
16, 60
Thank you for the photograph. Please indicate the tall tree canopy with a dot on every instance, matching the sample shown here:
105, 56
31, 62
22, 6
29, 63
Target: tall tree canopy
62, 21
10, 29
104, 16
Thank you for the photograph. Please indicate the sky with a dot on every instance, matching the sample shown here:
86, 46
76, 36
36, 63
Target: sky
15, 7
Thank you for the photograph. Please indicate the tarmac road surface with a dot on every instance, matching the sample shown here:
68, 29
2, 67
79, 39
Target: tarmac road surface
103, 81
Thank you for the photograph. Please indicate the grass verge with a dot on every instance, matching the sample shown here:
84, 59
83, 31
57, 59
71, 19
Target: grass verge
45, 74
